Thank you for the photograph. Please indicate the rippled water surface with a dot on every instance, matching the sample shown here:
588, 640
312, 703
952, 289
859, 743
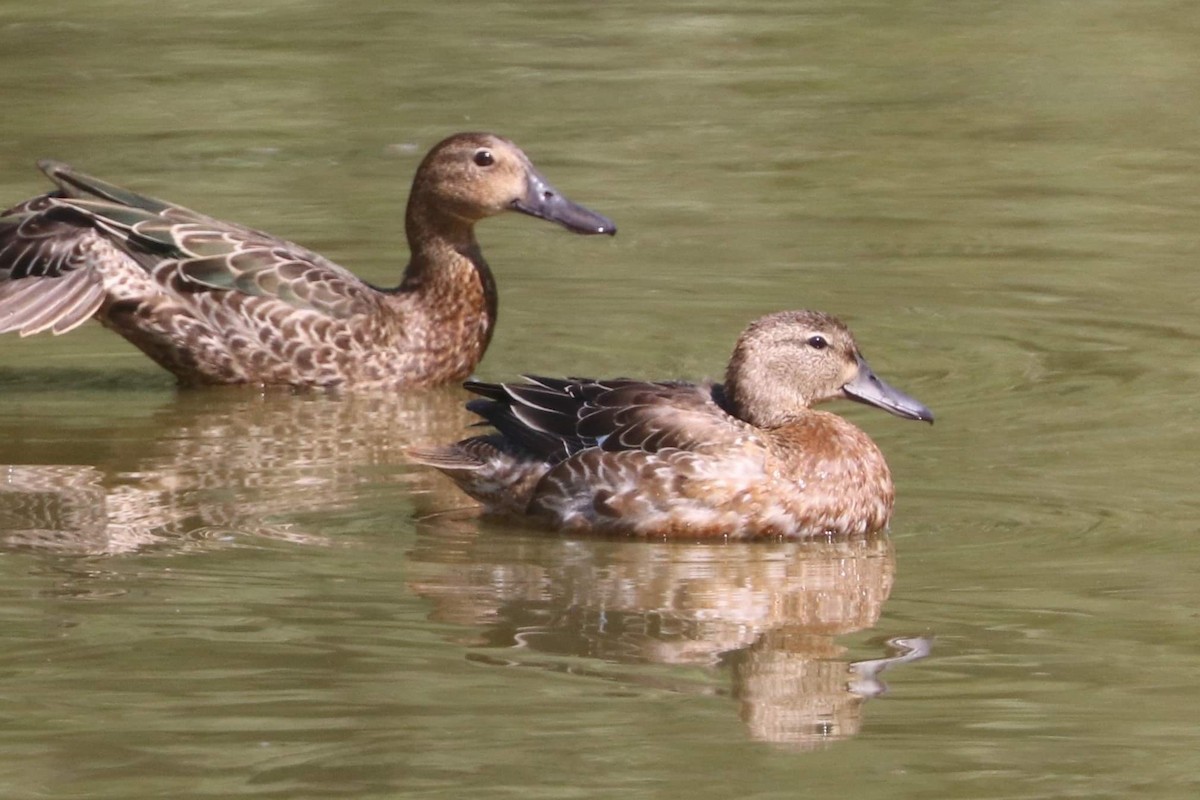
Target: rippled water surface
224, 593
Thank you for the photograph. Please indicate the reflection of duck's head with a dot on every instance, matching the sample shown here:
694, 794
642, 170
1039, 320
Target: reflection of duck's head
770, 612
470, 176
792, 693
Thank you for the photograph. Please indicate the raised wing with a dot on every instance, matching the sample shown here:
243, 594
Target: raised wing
45, 237
555, 419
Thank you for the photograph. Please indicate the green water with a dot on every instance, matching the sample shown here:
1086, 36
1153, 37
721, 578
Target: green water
222, 593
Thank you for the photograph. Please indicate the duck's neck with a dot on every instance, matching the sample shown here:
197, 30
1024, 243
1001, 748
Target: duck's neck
760, 400
448, 296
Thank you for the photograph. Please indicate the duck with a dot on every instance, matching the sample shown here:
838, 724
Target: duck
216, 302
748, 458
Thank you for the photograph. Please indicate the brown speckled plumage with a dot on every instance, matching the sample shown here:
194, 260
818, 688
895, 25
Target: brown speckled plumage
747, 458
218, 303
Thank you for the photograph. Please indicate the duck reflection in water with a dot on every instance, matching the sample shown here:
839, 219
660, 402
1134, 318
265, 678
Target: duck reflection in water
216, 465
768, 615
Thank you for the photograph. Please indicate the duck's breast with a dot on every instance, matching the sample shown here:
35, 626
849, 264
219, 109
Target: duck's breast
831, 475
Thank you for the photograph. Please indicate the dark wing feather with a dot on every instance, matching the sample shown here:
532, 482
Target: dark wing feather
500, 414
44, 280
555, 418
41, 240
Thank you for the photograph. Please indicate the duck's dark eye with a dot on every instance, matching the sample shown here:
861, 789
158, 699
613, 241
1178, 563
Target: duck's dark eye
484, 158
817, 342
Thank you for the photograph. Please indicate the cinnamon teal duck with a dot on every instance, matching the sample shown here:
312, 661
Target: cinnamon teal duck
218, 303
743, 459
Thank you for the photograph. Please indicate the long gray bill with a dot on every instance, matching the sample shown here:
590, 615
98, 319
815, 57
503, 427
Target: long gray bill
868, 388
543, 201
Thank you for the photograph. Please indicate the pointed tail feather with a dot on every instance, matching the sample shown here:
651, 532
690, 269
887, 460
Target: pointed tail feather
447, 458
75, 184
502, 481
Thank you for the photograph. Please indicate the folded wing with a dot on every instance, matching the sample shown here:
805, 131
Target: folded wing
554, 419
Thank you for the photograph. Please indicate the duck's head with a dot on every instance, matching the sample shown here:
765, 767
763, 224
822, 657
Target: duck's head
787, 362
470, 176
